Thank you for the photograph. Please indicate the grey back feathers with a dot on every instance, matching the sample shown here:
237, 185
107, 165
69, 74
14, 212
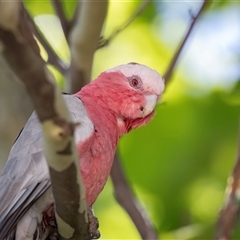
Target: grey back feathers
25, 177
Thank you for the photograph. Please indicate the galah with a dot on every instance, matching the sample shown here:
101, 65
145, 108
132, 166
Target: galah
118, 100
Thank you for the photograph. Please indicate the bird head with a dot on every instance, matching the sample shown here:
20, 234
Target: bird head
131, 91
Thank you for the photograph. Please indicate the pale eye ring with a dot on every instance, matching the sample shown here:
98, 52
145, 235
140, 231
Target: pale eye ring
135, 81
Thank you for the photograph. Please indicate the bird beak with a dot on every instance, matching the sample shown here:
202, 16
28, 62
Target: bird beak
151, 101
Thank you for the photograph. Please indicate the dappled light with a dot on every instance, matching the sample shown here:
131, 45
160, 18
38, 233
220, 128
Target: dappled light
179, 164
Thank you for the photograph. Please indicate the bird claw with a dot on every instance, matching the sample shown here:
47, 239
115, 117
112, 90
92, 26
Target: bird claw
96, 235
93, 225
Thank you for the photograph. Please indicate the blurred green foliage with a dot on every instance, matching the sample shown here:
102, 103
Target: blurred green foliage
178, 165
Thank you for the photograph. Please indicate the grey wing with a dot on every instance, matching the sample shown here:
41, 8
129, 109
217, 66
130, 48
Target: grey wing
25, 176
20, 179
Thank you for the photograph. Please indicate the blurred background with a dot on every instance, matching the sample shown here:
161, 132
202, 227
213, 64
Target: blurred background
178, 165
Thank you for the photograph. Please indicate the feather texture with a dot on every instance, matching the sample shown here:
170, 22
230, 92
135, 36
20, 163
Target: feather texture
119, 100
25, 177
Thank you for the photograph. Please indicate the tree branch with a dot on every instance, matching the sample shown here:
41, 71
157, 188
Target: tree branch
84, 42
53, 58
127, 200
104, 42
66, 26
168, 74
123, 193
60, 150
231, 208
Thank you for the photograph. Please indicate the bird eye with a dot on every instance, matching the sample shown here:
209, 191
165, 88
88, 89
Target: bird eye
135, 81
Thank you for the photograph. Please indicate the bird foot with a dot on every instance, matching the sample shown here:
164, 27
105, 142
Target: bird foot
49, 225
93, 225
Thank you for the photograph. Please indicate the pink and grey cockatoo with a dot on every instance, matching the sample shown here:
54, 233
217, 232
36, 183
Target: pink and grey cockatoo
120, 99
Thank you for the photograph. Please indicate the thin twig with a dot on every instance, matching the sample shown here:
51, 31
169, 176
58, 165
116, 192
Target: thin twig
53, 58
123, 192
104, 42
125, 197
230, 209
58, 6
75, 16
168, 74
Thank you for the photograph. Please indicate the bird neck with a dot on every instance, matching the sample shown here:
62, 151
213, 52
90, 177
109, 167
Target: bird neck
109, 95
96, 107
